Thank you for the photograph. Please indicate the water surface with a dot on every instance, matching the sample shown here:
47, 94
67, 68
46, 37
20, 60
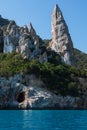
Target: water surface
43, 120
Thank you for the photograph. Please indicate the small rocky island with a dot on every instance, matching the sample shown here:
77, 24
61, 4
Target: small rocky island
40, 74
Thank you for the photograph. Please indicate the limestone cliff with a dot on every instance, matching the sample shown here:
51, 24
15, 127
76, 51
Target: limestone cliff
61, 40
26, 92
20, 88
11, 37
25, 40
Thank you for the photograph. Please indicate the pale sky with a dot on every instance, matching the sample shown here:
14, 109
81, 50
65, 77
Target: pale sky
38, 12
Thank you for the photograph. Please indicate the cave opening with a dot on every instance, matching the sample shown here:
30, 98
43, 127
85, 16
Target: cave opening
20, 97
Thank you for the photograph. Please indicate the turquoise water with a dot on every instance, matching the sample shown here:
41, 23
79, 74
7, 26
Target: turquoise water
43, 120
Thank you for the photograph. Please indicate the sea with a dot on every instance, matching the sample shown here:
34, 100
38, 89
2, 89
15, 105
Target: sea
43, 120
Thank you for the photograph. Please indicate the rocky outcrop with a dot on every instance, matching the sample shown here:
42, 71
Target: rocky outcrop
26, 45
30, 45
23, 40
32, 31
26, 92
61, 40
11, 37
1, 40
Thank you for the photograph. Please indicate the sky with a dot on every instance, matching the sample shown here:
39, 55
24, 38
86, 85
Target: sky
38, 12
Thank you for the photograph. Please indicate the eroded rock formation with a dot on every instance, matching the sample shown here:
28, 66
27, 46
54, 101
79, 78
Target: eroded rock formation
23, 40
11, 37
26, 41
61, 40
26, 92
1, 40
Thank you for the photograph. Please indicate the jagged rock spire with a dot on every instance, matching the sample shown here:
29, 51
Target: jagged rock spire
33, 34
32, 30
61, 40
56, 19
56, 10
12, 23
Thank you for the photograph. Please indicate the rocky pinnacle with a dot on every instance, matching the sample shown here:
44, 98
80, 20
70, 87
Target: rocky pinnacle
61, 40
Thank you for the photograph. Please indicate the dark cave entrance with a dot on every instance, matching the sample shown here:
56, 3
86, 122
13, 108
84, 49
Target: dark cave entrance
20, 97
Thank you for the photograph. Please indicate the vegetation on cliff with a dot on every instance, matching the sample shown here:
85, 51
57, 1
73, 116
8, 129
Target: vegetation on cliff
57, 77
81, 58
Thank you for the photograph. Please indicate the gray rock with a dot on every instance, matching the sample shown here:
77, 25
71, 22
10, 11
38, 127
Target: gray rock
26, 45
32, 30
24, 29
22, 40
10, 25
8, 45
11, 39
33, 34
1, 40
61, 40
15, 94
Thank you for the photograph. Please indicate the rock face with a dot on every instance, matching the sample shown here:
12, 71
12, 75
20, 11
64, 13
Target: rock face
25, 40
26, 92
22, 40
1, 40
61, 40
26, 45
32, 31
30, 45
11, 38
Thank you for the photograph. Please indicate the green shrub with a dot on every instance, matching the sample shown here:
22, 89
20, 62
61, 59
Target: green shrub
58, 78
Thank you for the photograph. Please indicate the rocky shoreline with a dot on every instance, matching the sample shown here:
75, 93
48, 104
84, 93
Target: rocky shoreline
26, 92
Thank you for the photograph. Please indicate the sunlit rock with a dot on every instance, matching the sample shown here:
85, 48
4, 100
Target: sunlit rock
61, 40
